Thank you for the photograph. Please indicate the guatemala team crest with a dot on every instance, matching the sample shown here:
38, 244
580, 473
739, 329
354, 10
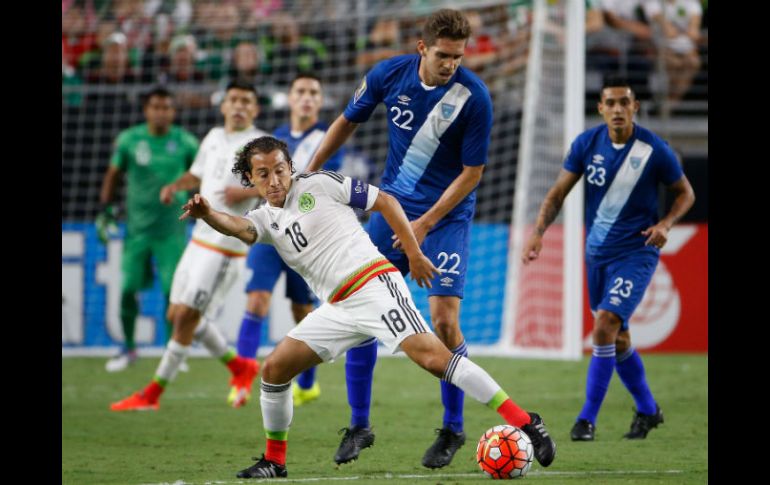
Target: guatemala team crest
360, 91
635, 162
447, 110
306, 202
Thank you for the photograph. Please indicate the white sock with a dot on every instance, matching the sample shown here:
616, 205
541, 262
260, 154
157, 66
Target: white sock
173, 356
211, 338
277, 406
470, 378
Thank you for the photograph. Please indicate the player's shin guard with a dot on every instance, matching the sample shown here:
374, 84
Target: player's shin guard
631, 371
249, 335
359, 371
479, 385
277, 413
598, 380
211, 338
452, 397
167, 369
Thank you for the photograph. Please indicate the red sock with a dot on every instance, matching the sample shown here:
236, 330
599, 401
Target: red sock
153, 391
236, 365
276, 451
513, 414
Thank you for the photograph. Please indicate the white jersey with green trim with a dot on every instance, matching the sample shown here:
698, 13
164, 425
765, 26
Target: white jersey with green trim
317, 233
213, 166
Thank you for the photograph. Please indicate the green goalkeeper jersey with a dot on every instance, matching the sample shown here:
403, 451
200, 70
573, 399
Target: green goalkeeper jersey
150, 162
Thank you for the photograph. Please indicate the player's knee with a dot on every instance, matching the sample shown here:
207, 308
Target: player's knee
446, 328
274, 371
622, 343
258, 303
606, 327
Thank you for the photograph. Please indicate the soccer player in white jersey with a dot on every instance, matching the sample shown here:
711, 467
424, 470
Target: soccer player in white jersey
303, 134
623, 165
211, 262
439, 125
309, 220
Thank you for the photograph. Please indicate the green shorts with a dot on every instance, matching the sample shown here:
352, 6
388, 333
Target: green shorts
138, 254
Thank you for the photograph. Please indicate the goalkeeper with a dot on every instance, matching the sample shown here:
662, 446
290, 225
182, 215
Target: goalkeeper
151, 154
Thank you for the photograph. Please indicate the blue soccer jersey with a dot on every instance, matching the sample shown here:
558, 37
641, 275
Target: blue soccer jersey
621, 187
303, 147
433, 131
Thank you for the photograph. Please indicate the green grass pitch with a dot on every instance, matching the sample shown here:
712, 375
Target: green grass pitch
196, 439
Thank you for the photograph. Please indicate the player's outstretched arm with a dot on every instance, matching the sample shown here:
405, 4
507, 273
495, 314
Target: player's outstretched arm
420, 267
187, 181
657, 235
337, 134
198, 208
549, 209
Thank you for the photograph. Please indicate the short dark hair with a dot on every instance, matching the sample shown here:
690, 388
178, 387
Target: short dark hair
616, 81
263, 144
304, 75
445, 24
244, 85
158, 91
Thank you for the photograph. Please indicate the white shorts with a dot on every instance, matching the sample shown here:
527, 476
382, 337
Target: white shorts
383, 308
203, 277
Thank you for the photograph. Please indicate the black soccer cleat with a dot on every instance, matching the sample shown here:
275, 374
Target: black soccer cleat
583, 430
263, 469
545, 447
442, 450
355, 440
643, 423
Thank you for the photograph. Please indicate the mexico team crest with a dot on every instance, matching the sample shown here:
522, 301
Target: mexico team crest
447, 110
306, 202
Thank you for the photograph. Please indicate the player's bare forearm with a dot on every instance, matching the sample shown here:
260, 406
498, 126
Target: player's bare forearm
460, 187
108, 184
683, 201
199, 208
554, 200
187, 181
337, 134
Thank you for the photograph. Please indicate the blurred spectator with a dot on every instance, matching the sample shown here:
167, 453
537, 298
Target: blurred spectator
383, 42
221, 34
115, 66
680, 22
482, 49
183, 53
76, 37
288, 52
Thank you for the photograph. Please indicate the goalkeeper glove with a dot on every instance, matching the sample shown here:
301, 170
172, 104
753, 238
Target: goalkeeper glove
106, 224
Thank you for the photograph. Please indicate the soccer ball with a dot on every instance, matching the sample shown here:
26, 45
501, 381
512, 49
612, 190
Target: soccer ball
504, 452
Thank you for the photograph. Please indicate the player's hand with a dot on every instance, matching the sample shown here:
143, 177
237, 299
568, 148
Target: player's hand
196, 208
167, 193
657, 235
420, 230
106, 224
532, 248
421, 270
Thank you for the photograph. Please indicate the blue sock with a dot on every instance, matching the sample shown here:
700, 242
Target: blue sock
359, 371
307, 378
452, 398
631, 372
249, 335
598, 381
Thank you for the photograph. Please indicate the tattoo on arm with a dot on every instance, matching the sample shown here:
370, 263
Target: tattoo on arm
548, 214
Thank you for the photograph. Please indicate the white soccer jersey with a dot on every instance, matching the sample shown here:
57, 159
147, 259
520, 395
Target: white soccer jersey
317, 234
213, 166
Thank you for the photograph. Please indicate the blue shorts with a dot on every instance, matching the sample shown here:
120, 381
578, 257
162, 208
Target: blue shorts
266, 266
447, 245
618, 285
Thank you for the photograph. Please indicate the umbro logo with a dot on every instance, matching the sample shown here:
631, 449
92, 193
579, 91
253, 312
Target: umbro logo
404, 99
446, 281
274, 226
598, 159
615, 301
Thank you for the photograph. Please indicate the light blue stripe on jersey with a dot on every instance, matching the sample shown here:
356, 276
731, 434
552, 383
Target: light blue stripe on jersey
426, 141
619, 192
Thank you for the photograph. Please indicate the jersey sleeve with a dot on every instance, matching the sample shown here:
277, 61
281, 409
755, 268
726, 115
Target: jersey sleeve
119, 157
367, 96
573, 162
346, 190
198, 166
668, 166
476, 140
190, 148
258, 217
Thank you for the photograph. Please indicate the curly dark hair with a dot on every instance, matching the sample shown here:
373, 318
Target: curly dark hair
263, 144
